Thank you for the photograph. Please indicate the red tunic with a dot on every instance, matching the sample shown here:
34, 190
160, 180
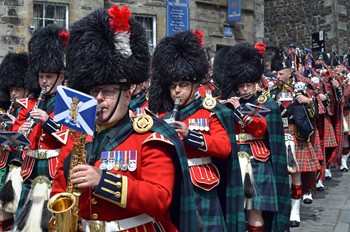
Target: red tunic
147, 190
40, 139
216, 139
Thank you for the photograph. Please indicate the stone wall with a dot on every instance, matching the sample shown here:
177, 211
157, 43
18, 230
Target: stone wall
16, 16
210, 16
294, 21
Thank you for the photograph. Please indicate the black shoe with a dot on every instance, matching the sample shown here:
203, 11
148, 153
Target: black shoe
344, 170
319, 189
294, 224
307, 201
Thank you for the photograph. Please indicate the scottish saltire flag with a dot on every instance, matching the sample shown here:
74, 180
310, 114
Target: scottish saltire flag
75, 109
15, 139
254, 110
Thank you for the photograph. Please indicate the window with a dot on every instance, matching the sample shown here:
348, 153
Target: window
45, 13
149, 23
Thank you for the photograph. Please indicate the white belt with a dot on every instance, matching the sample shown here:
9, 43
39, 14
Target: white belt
244, 137
199, 161
119, 225
43, 153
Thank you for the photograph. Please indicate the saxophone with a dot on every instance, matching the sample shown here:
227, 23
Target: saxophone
65, 206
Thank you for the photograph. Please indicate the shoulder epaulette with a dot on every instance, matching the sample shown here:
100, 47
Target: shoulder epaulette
23, 102
157, 137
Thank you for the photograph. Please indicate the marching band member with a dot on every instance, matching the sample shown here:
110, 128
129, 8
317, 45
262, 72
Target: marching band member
296, 111
260, 142
134, 178
13, 88
206, 127
38, 167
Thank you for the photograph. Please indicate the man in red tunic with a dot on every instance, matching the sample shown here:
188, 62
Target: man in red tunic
133, 176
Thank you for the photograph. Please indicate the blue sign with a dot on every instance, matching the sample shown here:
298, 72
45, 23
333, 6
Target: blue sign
228, 31
177, 16
234, 10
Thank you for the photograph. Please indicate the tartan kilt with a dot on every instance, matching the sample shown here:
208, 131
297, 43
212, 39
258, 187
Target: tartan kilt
318, 146
209, 210
347, 116
329, 139
304, 153
265, 197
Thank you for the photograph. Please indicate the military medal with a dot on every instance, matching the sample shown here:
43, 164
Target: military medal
206, 124
142, 123
195, 124
191, 124
125, 161
132, 161
103, 165
118, 160
111, 160
201, 124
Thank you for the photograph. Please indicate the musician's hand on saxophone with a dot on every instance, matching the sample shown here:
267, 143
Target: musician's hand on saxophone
86, 176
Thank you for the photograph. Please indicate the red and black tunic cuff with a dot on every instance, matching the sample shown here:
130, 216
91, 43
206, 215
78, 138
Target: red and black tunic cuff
113, 188
196, 139
51, 126
240, 117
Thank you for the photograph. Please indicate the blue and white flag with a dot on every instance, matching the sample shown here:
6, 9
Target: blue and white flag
15, 139
254, 110
75, 109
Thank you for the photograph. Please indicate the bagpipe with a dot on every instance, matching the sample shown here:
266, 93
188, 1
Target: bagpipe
300, 113
338, 91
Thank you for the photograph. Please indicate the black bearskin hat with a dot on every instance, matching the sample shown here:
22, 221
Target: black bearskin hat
242, 65
46, 49
176, 58
13, 73
107, 47
219, 62
46, 52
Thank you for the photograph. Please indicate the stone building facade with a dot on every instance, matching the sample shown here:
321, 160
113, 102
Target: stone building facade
294, 21
19, 18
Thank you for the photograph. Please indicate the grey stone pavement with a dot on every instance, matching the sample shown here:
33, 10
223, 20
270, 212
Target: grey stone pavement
330, 210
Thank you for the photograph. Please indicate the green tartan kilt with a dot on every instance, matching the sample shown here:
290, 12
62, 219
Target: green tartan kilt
265, 198
209, 210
